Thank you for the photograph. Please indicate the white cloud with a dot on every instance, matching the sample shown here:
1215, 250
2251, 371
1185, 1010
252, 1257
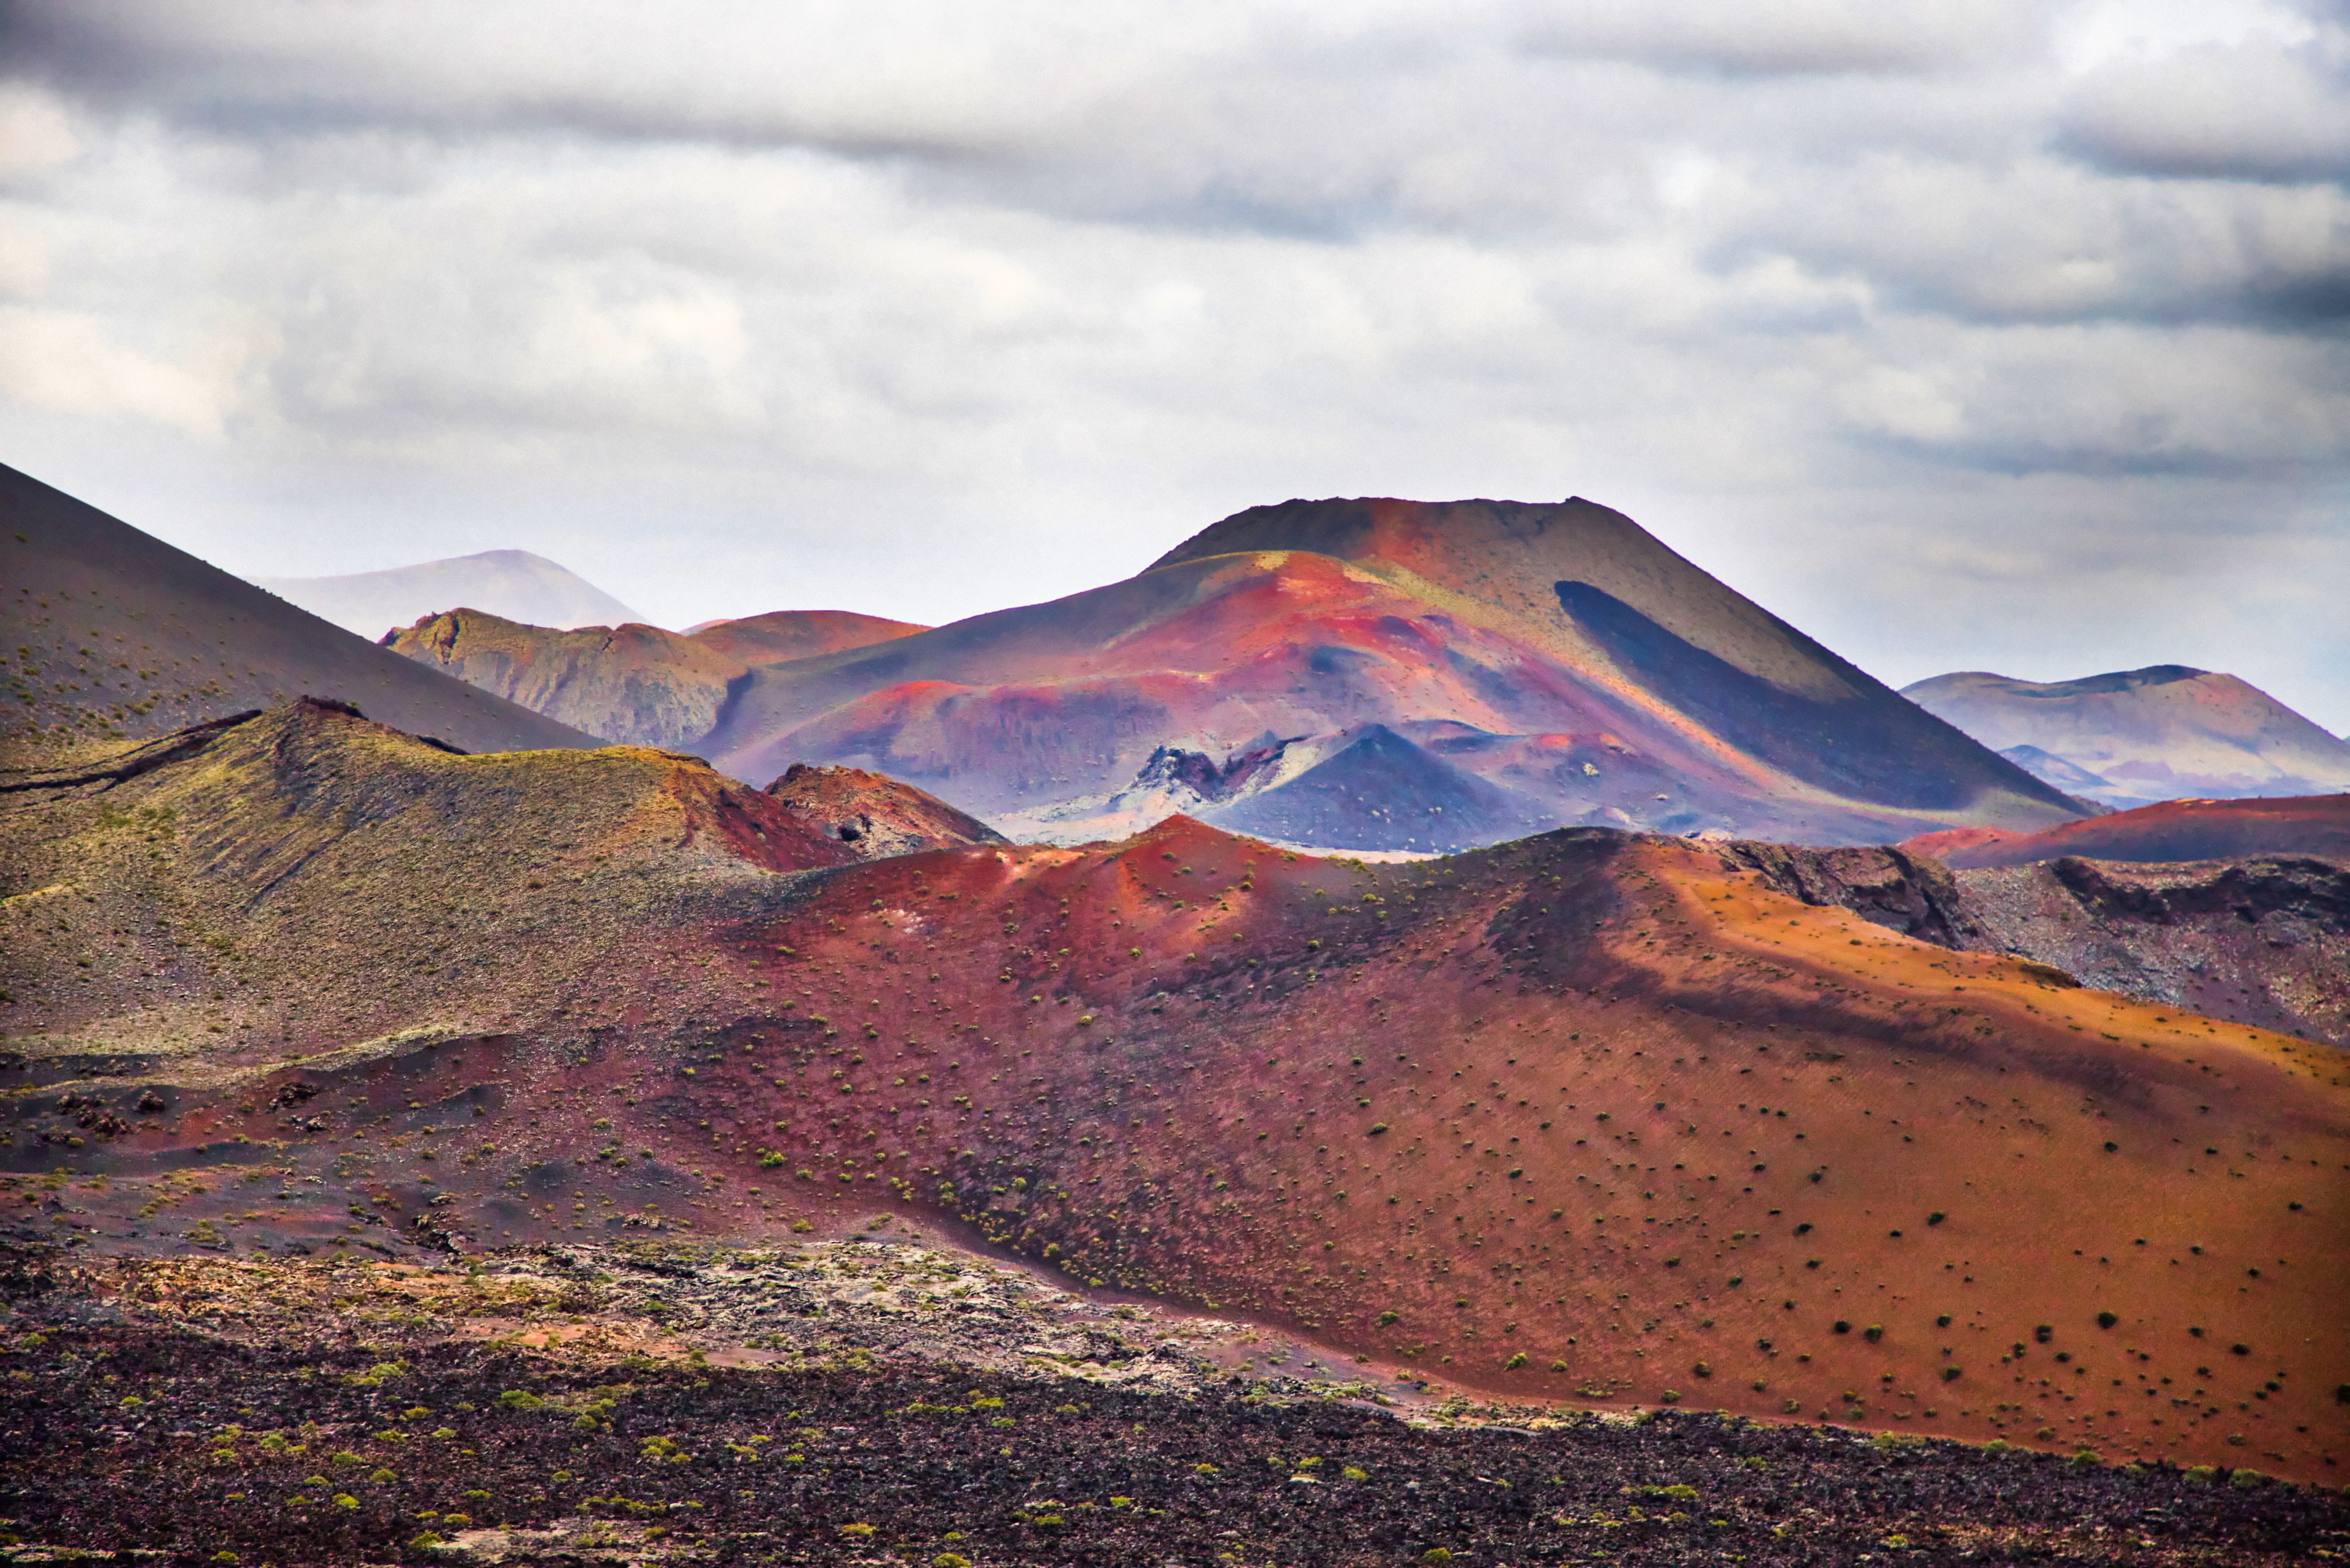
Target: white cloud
925, 309
2260, 108
63, 362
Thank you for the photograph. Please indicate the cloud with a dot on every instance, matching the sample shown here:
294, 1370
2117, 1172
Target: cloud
1792, 37
64, 362
925, 309
2262, 108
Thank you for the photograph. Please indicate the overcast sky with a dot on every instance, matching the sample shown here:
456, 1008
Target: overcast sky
1978, 335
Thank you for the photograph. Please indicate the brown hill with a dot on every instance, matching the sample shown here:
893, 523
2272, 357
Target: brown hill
1632, 690
634, 684
1591, 1116
2169, 831
109, 631
2139, 735
876, 816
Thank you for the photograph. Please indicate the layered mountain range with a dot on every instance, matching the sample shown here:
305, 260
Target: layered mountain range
2140, 735
1379, 675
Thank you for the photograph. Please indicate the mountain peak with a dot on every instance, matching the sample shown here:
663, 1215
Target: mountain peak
514, 585
2160, 732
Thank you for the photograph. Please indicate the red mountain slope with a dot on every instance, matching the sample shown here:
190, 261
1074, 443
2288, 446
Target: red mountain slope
2172, 830
873, 815
1631, 690
1589, 1116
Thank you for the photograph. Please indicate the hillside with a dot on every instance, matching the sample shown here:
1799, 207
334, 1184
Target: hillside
634, 684
2169, 831
1632, 690
873, 815
1592, 1117
515, 584
112, 632
2143, 735
2258, 940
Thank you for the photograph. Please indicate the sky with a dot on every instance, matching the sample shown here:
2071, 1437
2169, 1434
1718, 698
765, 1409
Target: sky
1984, 334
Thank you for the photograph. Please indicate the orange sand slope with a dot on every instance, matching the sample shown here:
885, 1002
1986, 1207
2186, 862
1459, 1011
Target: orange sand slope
1586, 1116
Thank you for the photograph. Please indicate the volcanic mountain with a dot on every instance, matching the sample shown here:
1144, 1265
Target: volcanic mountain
2142, 735
1592, 1116
113, 632
513, 583
636, 685
1557, 656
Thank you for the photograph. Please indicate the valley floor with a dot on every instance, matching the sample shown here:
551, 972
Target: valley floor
882, 1401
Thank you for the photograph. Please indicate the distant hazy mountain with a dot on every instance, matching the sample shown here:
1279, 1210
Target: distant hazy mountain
2159, 733
513, 584
115, 633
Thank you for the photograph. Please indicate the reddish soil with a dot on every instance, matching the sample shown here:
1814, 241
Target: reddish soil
1587, 1118
1573, 660
875, 814
2171, 830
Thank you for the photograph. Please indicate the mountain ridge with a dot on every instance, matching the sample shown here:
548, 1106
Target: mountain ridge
116, 633
2160, 732
633, 684
1265, 624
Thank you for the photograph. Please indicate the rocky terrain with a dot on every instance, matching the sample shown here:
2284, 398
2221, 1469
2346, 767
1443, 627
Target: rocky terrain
2141, 735
2258, 939
876, 816
877, 1401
